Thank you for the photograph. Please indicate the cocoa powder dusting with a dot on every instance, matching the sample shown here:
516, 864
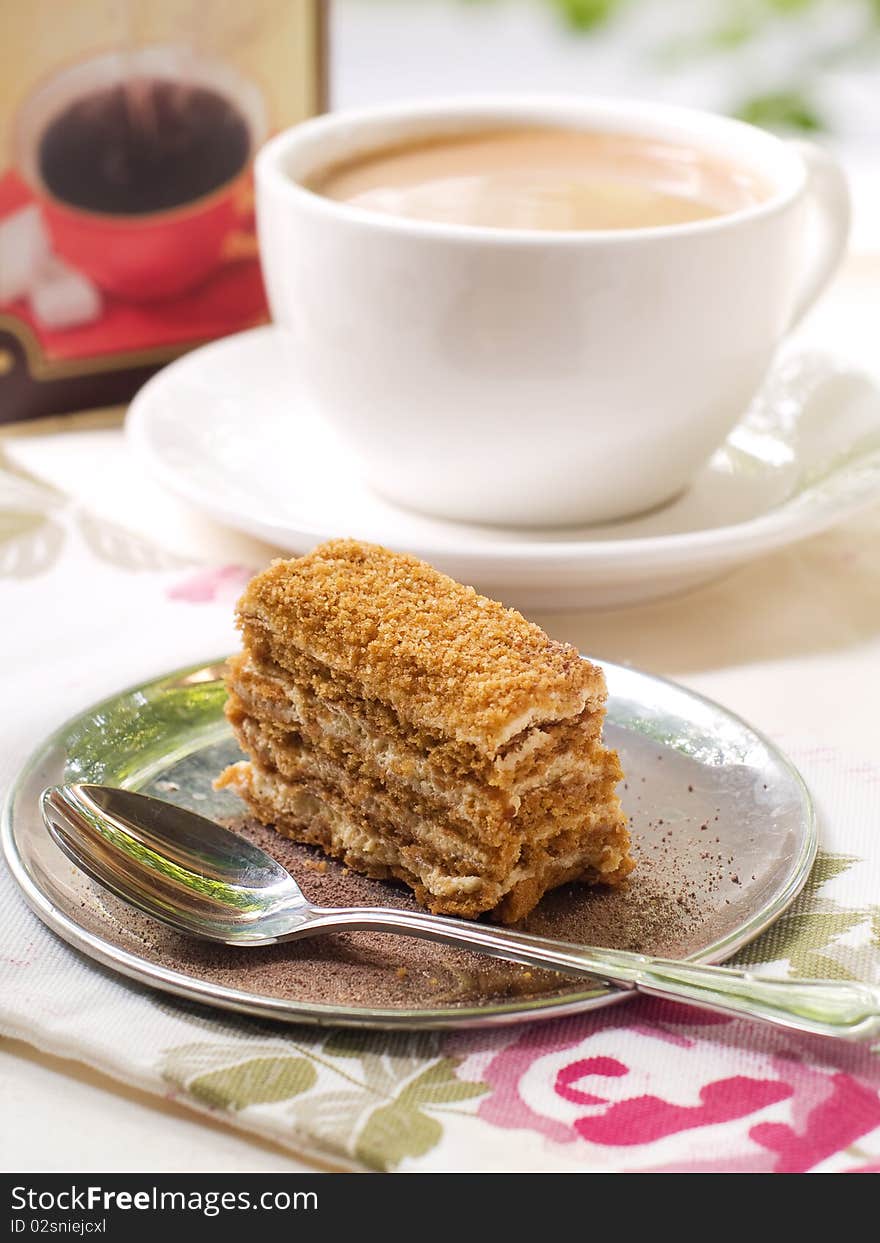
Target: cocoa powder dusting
662, 911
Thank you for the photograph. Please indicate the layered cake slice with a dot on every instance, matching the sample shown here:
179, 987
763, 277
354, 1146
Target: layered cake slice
414, 729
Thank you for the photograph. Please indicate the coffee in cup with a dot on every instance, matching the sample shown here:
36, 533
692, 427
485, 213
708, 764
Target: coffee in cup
143, 145
542, 178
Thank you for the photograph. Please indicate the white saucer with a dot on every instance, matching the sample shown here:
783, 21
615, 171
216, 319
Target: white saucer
225, 429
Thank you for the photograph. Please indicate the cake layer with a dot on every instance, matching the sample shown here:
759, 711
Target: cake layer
471, 830
483, 847
322, 707
367, 843
444, 658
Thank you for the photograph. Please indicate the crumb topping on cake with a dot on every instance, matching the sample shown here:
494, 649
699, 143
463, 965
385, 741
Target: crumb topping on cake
445, 657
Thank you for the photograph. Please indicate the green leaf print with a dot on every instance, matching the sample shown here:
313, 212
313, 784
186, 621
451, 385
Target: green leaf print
394, 1132
123, 549
810, 935
332, 1117
819, 966
404, 1127
366, 1096
29, 543
346, 1043
30, 538
260, 1081
384, 1064
438, 1085
188, 1061
399, 1046
826, 868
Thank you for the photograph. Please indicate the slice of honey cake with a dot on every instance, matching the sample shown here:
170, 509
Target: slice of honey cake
415, 729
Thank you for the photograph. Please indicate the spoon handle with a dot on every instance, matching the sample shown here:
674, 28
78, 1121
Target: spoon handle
821, 1007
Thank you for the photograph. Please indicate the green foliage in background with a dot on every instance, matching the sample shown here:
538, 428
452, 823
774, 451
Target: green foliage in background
587, 14
736, 26
781, 110
738, 19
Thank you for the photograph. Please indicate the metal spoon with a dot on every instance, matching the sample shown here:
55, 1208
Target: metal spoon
207, 882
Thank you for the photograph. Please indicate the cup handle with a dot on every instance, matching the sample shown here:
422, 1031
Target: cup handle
829, 200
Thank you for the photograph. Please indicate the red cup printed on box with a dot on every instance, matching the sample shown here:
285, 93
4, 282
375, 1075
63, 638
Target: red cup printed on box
155, 253
127, 231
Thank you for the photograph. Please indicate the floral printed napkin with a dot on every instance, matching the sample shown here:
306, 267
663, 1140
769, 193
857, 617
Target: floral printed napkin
792, 643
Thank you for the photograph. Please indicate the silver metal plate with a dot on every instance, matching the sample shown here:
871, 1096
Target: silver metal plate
722, 825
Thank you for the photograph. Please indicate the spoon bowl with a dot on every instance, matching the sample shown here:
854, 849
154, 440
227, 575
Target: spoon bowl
175, 865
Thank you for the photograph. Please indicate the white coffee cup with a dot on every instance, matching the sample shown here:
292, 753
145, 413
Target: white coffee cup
529, 377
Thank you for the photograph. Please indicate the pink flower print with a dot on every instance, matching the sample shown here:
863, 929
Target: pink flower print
209, 585
517, 1064
829, 1113
665, 1087
643, 1119
571, 1074
505, 1107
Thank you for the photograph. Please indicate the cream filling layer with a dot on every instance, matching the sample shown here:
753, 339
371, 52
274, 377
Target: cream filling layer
545, 755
